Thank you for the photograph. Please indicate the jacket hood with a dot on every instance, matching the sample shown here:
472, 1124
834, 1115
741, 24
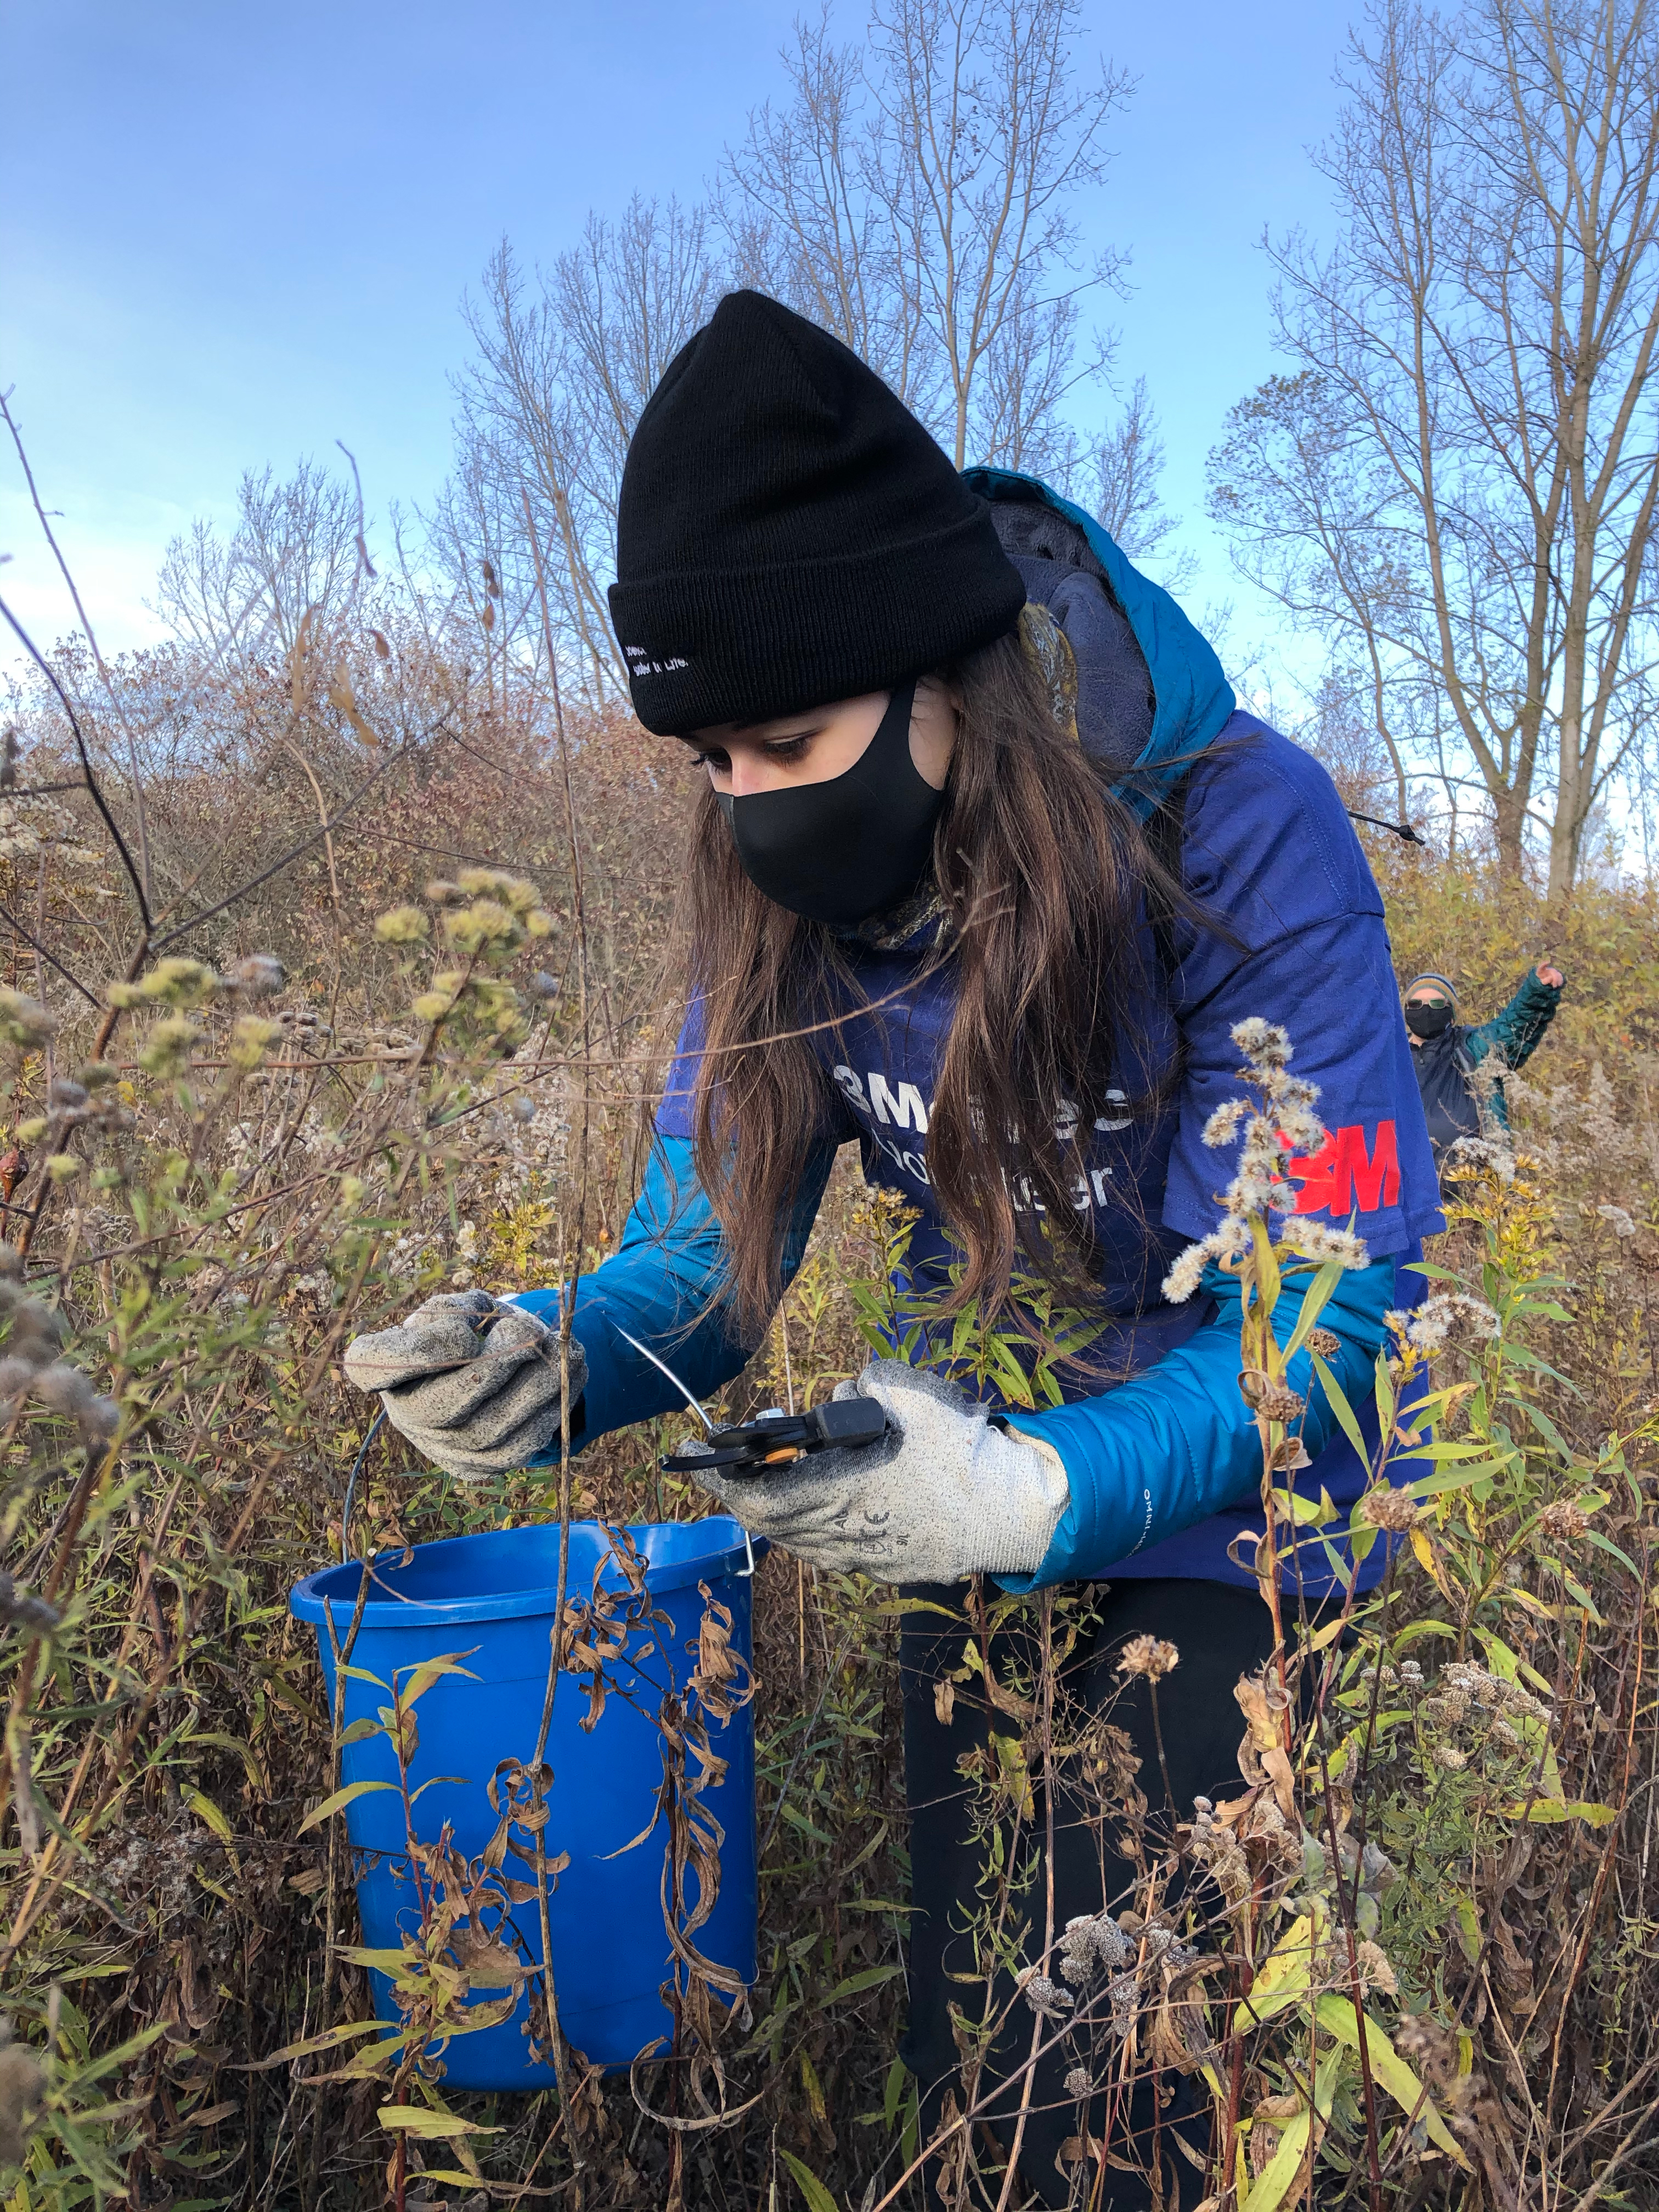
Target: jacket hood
1152, 693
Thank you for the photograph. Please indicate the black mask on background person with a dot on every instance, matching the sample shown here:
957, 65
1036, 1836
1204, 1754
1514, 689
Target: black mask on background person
1428, 1021
850, 848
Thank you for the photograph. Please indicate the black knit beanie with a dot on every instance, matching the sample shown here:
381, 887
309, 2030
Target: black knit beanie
788, 534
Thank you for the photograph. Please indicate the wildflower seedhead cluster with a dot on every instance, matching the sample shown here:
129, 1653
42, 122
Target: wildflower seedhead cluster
32, 1366
1426, 1328
179, 988
486, 915
1279, 1125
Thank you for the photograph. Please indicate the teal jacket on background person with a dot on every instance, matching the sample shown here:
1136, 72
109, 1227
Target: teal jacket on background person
1457, 1100
1515, 1033
1165, 1467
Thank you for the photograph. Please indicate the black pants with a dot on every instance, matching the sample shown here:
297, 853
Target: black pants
1221, 1633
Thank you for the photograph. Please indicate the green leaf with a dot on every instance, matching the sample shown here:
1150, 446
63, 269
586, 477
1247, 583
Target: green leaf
237, 1749
1456, 1478
339, 1801
1315, 1299
1304, 1512
328, 2038
1340, 1406
819, 2198
800, 1820
1605, 1544
892, 2095
871, 1978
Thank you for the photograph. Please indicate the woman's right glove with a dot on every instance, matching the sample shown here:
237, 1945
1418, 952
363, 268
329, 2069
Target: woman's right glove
473, 1383
944, 1496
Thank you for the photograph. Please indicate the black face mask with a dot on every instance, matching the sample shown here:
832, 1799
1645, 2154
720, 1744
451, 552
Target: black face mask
854, 847
1428, 1021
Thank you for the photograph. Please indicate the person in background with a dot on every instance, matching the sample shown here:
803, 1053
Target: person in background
1459, 1100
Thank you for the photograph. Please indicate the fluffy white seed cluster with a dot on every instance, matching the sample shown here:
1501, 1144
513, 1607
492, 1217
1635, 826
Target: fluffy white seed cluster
1427, 1328
1280, 1125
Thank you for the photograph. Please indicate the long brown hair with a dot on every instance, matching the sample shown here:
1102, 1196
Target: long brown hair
1040, 872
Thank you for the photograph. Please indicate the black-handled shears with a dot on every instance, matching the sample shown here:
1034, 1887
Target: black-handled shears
772, 1441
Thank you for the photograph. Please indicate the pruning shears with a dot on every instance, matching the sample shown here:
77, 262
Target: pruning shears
773, 1440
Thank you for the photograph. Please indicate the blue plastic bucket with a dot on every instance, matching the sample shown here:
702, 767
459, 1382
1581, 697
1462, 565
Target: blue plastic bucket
488, 1601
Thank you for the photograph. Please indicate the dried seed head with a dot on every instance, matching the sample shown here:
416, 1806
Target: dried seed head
20, 1608
1375, 1970
169, 1044
1451, 1758
1279, 1402
1563, 1523
1078, 2083
251, 1038
1149, 1655
261, 975
1325, 1341
24, 1022
1387, 1507
22, 2092
484, 923
1044, 1995
402, 925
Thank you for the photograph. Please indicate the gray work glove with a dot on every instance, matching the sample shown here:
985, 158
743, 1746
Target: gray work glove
471, 1382
942, 1497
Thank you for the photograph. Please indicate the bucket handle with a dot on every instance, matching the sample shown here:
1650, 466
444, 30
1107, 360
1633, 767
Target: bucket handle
374, 1429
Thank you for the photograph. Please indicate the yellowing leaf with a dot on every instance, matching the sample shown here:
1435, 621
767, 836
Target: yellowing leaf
1287, 1973
208, 1811
1551, 1810
1338, 2017
813, 2086
428, 2126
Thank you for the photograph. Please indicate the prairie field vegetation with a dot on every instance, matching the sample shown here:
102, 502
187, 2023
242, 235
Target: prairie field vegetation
351, 981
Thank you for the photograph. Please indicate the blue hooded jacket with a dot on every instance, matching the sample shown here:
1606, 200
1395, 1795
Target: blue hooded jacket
1165, 1467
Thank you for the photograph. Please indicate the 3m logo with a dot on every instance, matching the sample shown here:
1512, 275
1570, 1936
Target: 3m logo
1341, 1175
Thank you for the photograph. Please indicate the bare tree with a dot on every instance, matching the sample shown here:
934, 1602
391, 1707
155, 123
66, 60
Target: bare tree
562, 371
913, 198
239, 600
1122, 477
1459, 483
987, 136
802, 221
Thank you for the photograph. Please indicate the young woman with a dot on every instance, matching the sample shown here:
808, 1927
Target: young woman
1001, 947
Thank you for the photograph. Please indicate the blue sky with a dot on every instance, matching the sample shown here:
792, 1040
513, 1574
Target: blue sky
231, 234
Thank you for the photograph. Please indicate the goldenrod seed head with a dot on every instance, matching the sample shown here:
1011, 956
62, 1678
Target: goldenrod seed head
404, 925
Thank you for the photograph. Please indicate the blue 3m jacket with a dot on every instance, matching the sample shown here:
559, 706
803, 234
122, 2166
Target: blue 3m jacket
1165, 1467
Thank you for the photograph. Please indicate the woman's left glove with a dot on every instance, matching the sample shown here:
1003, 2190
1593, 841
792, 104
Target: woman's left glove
943, 1496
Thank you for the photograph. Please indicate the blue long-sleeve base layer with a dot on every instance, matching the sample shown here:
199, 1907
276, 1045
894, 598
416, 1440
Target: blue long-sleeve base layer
1174, 1446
